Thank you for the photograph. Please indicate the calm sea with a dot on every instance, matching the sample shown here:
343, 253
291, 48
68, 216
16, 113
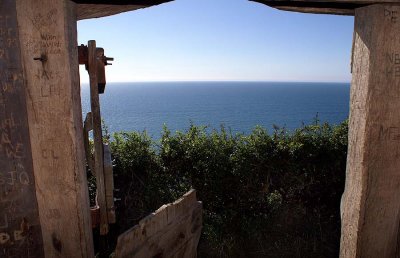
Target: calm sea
239, 106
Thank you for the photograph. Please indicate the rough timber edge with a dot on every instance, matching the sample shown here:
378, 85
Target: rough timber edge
172, 231
337, 7
87, 10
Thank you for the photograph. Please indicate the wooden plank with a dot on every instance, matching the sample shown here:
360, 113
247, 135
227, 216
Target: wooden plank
368, 2
48, 30
100, 8
371, 202
87, 127
101, 71
20, 231
321, 7
109, 184
97, 137
340, 7
96, 9
172, 231
315, 8
122, 2
89, 11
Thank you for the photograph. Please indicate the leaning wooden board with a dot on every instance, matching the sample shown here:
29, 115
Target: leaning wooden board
20, 231
173, 231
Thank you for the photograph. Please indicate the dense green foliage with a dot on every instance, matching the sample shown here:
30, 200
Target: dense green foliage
264, 195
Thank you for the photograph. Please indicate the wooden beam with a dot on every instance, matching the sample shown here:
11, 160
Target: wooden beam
122, 2
371, 201
88, 9
97, 137
339, 7
20, 231
87, 127
109, 184
317, 7
48, 39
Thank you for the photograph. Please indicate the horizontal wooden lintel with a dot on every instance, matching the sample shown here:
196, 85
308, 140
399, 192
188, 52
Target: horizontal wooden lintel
87, 9
122, 2
339, 7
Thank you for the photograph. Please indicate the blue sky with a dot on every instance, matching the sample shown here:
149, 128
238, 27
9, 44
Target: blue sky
222, 40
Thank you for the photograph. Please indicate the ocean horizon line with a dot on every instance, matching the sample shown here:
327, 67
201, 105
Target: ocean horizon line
311, 82
239, 105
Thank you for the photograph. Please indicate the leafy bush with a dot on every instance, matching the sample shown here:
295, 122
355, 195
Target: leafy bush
264, 195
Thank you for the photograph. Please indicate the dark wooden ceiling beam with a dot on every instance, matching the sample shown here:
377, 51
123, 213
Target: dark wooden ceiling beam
322, 6
87, 9
99, 8
121, 2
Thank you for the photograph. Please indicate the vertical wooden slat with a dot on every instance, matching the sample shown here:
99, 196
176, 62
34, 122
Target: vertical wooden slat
97, 137
87, 127
371, 202
109, 184
48, 30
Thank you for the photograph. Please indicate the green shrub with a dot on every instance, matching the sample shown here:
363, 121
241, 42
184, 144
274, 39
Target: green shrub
264, 195
135, 164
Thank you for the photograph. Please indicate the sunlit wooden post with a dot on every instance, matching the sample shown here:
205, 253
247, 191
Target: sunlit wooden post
44, 204
48, 39
371, 201
20, 230
44, 196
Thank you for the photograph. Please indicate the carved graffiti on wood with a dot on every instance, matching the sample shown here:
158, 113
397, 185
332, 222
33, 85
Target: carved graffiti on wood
391, 15
393, 65
20, 232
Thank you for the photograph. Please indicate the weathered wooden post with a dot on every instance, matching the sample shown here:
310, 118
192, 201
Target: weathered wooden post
371, 211
20, 231
371, 201
41, 146
44, 206
48, 41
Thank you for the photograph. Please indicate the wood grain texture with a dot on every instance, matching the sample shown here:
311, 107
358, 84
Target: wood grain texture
88, 10
172, 231
87, 127
371, 203
109, 184
20, 231
122, 2
319, 7
97, 137
48, 29
339, 7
